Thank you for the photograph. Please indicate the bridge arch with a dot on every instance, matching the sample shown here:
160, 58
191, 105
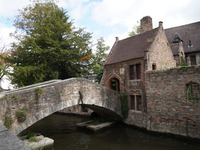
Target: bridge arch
59, 95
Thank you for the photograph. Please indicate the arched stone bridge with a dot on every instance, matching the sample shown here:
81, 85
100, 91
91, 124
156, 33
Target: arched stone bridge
43, 99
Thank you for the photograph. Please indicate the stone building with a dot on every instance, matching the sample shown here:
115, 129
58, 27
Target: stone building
152, 49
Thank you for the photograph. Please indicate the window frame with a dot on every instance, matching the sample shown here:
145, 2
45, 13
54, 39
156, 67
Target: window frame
135, 71
134, 104
194, 60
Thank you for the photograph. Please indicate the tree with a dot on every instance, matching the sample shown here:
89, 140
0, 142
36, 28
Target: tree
49, 45
135, 30
3, 64
99, 58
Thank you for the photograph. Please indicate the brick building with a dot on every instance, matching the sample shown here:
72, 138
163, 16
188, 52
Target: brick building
152, 49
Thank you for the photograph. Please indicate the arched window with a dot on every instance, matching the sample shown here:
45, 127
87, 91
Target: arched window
114, 84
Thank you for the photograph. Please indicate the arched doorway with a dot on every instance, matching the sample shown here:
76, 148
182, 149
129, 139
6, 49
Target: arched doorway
114, 84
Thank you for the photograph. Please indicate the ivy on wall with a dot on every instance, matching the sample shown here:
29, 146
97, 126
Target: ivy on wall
124, 104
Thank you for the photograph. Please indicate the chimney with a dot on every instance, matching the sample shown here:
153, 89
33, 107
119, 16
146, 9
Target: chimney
145, 24
117, 39
160, 23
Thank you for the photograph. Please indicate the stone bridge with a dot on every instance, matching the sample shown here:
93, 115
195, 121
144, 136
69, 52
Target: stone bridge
23, 107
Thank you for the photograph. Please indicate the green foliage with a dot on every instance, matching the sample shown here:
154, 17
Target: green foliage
48, 47
181, 67
99, 58
3, 64
15, 97
135, 30
38, 92
4, 98
8, 121
97, 121
32, 137
124, 104
99, 72
21, 115
182, 61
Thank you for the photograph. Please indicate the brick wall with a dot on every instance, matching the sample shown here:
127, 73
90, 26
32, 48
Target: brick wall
131, 87
146, 24
160, 53
168, 108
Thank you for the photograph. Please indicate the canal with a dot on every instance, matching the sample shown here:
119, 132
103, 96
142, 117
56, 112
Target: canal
62, 128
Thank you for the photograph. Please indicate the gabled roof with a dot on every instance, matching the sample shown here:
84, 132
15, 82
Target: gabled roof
189, 34
131, 48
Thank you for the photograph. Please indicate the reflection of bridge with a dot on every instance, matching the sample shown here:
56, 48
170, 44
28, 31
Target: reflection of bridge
43, 99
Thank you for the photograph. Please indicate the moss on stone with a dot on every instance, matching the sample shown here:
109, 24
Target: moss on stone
15, 97
124, 104
21, 115
8, 121
38, 92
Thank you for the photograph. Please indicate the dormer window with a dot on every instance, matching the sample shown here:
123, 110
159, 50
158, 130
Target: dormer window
176, 39
190, 44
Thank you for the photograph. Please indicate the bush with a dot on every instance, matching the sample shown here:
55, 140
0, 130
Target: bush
21, 115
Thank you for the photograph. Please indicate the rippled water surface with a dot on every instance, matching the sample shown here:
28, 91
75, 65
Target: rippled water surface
62, 128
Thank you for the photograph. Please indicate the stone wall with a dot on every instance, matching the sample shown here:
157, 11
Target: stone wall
168, 108
53, 97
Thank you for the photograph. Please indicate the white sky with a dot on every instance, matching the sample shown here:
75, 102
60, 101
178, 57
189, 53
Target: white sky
109, 18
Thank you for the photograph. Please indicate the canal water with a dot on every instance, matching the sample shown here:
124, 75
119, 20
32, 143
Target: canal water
62, 128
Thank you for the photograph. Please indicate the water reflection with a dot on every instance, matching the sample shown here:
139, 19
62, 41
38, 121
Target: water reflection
63, 130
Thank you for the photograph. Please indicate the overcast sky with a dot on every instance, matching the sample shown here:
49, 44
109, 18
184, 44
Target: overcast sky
110, 18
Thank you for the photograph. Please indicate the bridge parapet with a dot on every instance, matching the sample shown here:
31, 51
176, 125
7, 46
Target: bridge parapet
40, 100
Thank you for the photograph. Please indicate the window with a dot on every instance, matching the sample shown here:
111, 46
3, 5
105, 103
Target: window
193, 60
132, 72
153, 66
193, 91
136, 102
190, 44
114, 84
135, 71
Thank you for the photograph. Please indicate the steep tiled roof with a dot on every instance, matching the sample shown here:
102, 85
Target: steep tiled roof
189, 32
134, 47
131, 48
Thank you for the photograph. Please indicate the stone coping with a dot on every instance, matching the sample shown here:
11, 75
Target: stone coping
45, 84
